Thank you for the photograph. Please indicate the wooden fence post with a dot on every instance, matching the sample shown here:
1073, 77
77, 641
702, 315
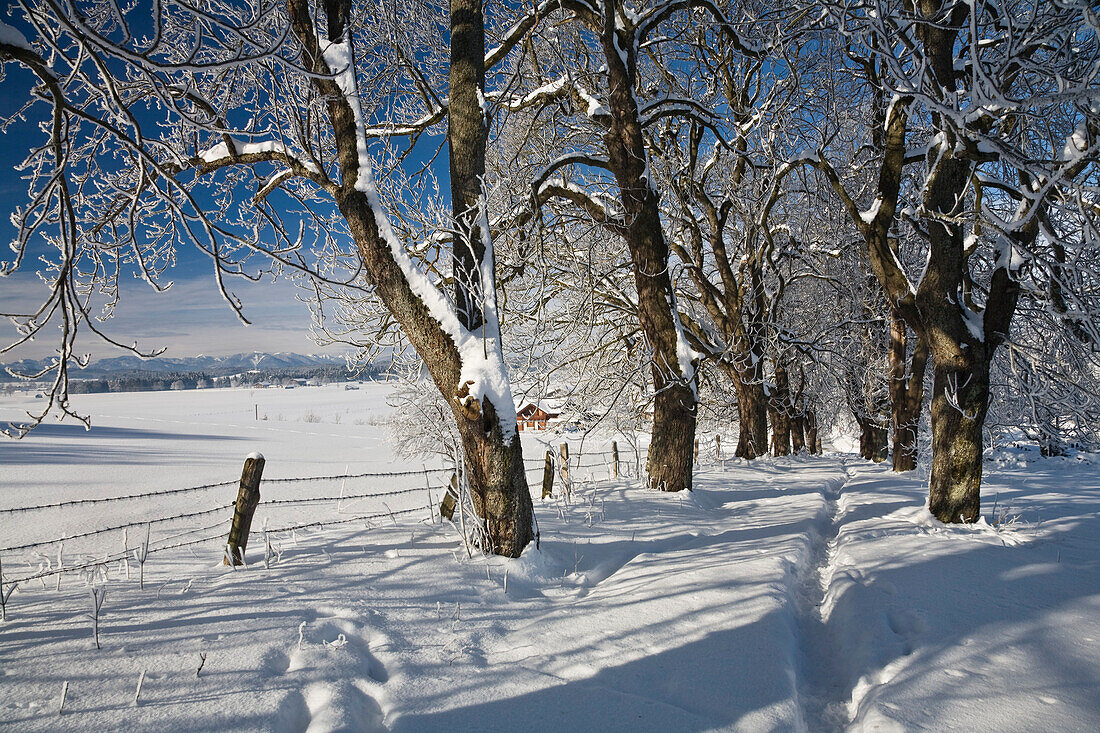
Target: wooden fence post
248, 496
614, 459
450, 500
566, 484
548, 475
718, 446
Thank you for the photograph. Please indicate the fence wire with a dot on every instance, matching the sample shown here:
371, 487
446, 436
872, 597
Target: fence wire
222, 526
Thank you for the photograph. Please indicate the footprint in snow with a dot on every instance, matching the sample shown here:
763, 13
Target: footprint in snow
343, 707
274, 663
907, 626
342, 681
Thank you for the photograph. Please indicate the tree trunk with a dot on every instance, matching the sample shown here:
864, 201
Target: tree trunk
906, 394
780, 414
812, 440
961, 353
674, 409
673, 442
752, 413
494, 456
467, 130
873, 439
960, 399
798, 433
880, 443
491, 443
498, 483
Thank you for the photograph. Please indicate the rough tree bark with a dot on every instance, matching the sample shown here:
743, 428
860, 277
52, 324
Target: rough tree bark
960, 399
780, 411
906, 394
494, 455
675, 400
812, 438
752, 411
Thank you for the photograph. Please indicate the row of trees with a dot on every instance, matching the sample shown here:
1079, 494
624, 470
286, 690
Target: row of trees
670, 205
148, 381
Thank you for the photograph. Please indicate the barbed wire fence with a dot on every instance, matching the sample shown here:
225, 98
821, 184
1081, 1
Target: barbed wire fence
557, 468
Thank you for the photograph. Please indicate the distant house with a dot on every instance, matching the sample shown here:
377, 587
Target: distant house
534, 417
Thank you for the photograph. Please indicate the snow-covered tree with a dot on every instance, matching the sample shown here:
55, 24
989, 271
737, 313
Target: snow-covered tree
993, 104
247, 130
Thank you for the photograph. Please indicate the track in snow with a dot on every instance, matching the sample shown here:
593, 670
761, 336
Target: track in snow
823, 690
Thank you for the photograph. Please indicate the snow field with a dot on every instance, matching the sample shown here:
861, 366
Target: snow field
979, 627
804, 594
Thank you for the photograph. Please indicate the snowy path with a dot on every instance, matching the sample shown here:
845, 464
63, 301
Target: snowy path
822, 691
799, 594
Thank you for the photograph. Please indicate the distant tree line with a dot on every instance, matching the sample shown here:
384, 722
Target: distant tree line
149, 381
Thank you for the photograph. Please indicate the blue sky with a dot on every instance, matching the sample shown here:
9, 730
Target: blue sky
191, 318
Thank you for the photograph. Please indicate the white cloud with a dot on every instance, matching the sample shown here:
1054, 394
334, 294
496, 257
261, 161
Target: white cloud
190, 318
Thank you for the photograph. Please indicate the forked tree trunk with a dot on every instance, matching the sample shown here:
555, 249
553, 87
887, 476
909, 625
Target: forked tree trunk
494, 464
960, 399
906, 394
494, 459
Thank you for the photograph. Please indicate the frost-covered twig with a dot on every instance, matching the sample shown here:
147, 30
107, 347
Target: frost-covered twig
268, 552
5, 593
97, 593
137, 692
141, 554
60, 564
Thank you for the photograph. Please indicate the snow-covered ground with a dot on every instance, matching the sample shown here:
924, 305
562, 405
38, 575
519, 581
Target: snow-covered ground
802, 593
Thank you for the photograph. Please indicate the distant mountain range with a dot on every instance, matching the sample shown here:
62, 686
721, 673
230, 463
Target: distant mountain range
212, 365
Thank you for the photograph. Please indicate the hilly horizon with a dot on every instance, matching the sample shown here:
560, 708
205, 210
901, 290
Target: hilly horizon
215, 365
